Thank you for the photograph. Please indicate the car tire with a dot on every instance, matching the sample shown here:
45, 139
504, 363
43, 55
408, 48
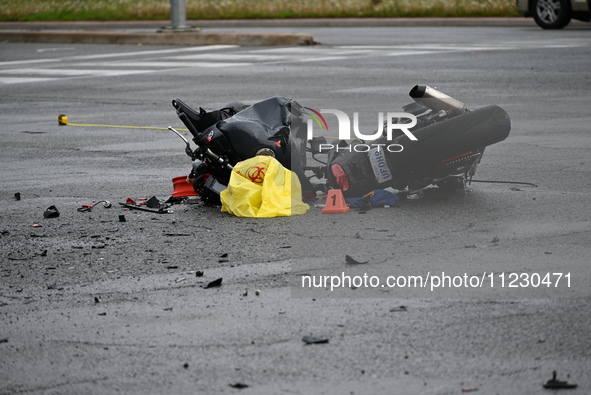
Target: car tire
551, 14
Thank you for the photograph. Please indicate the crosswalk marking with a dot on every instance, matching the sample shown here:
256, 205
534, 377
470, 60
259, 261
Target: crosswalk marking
224, 56
229, 56
159, 64
74, 72
17, 80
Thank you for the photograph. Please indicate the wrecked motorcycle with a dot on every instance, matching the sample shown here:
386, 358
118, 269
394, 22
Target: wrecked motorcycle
449, 141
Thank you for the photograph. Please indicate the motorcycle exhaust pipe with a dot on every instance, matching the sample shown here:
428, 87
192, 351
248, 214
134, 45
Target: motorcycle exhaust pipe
436, 101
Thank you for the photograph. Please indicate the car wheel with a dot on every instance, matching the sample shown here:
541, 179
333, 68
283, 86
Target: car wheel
551, 14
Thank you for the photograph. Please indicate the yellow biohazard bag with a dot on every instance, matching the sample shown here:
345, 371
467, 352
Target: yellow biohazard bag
261, 187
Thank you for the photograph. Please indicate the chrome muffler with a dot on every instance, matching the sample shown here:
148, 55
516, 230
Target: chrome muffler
436, 101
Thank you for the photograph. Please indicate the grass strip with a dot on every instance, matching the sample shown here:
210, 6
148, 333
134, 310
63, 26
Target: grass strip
109, 10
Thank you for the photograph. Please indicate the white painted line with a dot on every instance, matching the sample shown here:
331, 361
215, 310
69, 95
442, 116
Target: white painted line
228, 56
56, 49
136, 64
322, 59
409, 53
163, 64
18, 80
216, 64
120, 54
23, 62
154, 52
293, 50
74, 72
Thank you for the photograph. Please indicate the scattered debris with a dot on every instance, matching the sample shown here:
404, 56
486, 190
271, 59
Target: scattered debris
245, 292
152, 205
178, 280
97, 299
122, 218
51, 212
314, 340
554, 384
353, 261
397, 309
185, 365
377, 198
469, 389
239, 385
37, 226
224, 255
415, 195
199, 273
17, 196
18, 258
5, 340
167, 309
257, 292
89, 207
153, 202
214, 283
172, 267
102, 314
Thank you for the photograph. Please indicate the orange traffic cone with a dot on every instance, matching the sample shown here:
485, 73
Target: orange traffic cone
335, 202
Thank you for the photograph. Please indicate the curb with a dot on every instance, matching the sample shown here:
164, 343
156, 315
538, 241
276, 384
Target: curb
281, 23
167, 38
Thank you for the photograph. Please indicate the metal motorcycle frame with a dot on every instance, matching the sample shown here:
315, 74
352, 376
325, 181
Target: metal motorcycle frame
451, 140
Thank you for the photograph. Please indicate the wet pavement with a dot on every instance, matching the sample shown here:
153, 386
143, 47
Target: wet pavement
90, 304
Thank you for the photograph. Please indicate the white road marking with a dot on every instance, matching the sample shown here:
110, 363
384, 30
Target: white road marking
229, 56
18, 80
219, 56
158, 64
74, 72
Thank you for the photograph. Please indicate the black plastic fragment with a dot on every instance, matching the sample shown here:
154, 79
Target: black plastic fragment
397, 309
51, 212
238, 385
214, 283
353, 261
161, 210
314, 340
153, 202
554, 384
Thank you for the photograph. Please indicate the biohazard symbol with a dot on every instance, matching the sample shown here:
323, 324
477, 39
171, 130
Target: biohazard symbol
256, 173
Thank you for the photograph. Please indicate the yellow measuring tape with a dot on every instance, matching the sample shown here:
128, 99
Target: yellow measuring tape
63, 121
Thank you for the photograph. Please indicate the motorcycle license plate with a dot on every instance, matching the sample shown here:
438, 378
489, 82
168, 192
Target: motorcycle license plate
379, 165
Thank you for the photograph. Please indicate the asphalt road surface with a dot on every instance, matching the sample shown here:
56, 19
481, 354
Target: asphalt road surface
89, 304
